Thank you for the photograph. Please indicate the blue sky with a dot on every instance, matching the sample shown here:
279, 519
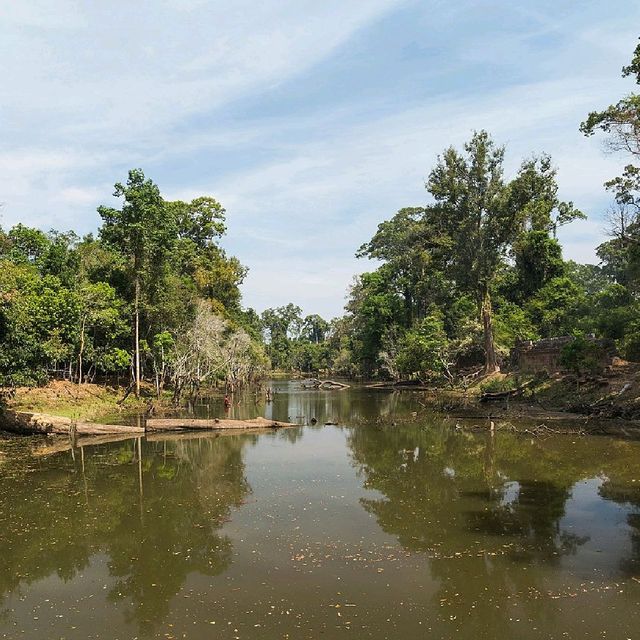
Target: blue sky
310, 121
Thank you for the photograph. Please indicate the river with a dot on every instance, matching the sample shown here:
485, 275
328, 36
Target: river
392, 523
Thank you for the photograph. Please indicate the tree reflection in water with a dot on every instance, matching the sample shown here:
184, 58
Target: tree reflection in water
492, 530
475, 504
154, 535
627, 494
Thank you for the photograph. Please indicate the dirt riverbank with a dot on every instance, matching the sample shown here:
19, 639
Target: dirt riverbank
611, 394
84, 402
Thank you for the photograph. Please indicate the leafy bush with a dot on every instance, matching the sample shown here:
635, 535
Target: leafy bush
557, 307
423, 350
582, 356
511, 324
495, 385
630, 344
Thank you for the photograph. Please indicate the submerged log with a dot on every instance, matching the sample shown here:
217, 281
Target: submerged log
61, 444
402, 385
499, 395
409, 384
41, 423
173, 424
199, 434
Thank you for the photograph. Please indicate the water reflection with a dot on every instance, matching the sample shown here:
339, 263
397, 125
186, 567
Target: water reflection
627, 494
406, 523
56, 517
438, 486
290, 402
491, 514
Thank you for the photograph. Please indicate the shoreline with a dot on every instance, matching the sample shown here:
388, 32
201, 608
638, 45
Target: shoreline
605, 404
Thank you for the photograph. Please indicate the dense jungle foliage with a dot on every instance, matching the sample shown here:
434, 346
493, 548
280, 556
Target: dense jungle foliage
459, 279
479, 267
124, 303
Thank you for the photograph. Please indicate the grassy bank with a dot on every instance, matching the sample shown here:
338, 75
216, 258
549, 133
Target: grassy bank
88, 402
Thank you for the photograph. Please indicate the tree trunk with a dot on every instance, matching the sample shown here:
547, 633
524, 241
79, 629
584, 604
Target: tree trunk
81, 350
408, 308
137, 335
491, 360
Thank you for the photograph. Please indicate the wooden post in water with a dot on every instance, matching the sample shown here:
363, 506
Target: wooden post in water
140, 481
84, 477
72, 438
489, 456
73, 428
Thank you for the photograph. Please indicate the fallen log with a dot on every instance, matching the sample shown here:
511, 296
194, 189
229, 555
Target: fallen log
500, 395
408, 384
41, 423
174, 424
402, 385
325, 385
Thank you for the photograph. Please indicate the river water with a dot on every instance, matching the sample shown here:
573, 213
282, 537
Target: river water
386, 525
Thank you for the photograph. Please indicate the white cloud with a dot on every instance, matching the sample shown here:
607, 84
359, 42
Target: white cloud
118, 78
81, 195
91, 89
132, 68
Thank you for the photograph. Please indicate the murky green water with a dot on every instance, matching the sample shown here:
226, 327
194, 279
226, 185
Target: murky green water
363, 530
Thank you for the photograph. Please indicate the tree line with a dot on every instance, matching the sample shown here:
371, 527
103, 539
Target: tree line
460, 279
124, 303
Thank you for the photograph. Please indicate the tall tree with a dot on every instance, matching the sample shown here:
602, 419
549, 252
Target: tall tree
99, 316
314, 328
620, 123
405, 244
143, 231
481, 217
282, 324
534, 192
374, 309
538, 259
201, 221
471, 209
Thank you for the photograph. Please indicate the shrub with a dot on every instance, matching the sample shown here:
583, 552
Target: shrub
630, 344
582, 356
495, 385
423, 349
